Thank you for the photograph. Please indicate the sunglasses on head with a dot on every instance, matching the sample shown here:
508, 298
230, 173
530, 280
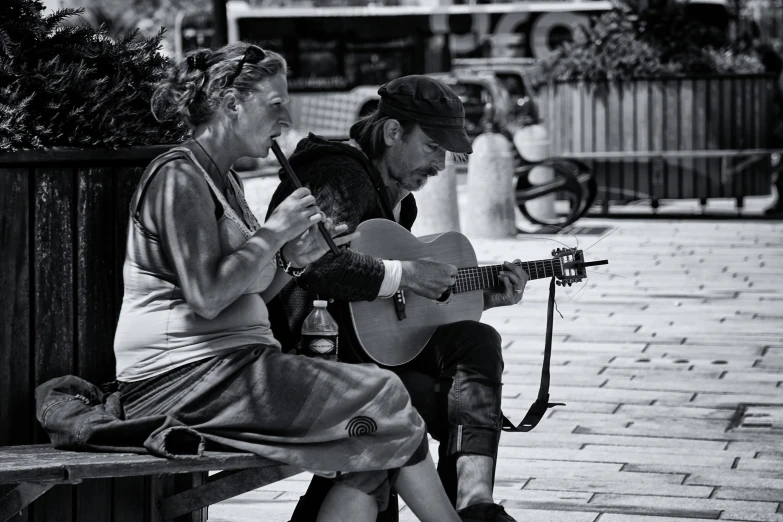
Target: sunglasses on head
253, 54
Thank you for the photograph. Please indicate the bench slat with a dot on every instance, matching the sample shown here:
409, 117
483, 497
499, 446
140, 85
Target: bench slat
227, 487
36, 463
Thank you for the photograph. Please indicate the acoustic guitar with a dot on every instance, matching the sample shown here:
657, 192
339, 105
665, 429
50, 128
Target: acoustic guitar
393, 331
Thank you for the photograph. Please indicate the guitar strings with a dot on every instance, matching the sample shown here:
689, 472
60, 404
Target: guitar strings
602, 238
607, 274
584, 286
465, 279
577, 292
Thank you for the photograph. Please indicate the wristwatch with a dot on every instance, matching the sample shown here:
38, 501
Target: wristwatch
287, 267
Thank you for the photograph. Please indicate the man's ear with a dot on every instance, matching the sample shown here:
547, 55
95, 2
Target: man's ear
392, 132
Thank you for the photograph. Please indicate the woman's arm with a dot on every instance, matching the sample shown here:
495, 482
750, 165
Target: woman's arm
180, 206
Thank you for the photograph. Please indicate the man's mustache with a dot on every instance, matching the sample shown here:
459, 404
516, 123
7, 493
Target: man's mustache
430, 172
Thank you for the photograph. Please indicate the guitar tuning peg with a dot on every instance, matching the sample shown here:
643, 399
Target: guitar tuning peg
569, 283
557, 283
553, 252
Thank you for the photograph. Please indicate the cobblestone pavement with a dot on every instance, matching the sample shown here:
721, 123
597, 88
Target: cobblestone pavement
670, 360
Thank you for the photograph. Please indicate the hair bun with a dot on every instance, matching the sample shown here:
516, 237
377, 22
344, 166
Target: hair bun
198, 61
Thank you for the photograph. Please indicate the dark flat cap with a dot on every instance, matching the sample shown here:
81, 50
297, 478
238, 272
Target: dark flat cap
431, 104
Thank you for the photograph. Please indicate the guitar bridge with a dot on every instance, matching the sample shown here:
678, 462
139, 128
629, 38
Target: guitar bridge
399, 304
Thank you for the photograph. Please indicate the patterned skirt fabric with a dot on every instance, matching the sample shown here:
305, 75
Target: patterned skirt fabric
354, 422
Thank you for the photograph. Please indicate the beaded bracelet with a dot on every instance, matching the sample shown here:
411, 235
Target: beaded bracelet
286, 266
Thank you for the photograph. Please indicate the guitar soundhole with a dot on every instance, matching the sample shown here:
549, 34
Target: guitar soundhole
444, 299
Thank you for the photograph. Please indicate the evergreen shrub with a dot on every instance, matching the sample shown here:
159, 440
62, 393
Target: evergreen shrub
626, 43
70, 85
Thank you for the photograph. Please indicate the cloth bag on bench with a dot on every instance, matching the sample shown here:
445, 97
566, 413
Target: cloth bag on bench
78, 416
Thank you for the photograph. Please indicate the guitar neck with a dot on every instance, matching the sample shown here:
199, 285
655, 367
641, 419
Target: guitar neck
484, 277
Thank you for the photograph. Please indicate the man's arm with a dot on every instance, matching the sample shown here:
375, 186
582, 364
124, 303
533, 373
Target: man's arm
343, 191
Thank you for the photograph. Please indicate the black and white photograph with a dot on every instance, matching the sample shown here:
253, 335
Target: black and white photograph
391, 260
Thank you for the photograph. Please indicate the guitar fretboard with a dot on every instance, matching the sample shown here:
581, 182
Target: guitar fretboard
483, 277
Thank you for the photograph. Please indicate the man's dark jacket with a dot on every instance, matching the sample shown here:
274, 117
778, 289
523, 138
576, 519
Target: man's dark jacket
345, 186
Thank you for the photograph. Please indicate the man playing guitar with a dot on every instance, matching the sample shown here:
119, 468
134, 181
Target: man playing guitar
455, 382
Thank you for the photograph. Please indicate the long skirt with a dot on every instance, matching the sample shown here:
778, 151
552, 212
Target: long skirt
350, 422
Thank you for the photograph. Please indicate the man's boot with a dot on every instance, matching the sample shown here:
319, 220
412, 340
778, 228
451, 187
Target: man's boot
486, 512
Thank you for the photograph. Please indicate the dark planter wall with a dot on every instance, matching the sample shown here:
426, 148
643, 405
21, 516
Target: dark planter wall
63, 219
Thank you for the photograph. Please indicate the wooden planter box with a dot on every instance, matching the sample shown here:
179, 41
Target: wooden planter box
63, 219
708, 113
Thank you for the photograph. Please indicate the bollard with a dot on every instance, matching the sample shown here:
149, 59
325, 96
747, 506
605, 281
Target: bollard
532, 143
490, 201
437, 203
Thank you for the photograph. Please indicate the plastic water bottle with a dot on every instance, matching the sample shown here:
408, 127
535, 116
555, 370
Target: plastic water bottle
319, 333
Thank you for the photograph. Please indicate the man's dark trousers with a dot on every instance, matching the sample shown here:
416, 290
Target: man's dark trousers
455, 383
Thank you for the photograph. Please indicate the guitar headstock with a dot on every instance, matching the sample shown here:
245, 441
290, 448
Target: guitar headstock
572, 267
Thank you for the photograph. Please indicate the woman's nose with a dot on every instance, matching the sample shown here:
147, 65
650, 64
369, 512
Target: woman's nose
285, 117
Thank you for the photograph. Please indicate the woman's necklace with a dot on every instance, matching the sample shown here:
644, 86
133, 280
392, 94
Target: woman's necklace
225, 179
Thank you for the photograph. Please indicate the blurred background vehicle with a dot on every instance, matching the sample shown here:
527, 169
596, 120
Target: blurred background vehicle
513, 73
339, 55
488, 105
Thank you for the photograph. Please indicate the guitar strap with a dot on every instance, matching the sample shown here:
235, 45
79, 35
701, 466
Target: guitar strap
538, 409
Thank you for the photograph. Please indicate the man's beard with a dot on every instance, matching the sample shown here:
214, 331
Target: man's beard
411, 184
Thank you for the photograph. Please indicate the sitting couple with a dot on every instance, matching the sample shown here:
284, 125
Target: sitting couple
196, 341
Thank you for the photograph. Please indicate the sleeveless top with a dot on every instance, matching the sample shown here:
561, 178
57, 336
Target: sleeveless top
157, 329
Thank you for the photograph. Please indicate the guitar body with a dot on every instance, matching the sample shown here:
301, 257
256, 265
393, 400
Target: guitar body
384, 338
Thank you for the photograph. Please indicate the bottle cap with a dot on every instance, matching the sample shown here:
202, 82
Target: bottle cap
319, 303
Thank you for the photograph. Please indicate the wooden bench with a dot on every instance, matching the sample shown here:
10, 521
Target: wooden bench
38, 468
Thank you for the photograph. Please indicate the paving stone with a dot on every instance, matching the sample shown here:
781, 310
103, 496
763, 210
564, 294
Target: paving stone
763, 494
686, 350
558, 377
730, 509
534, 439
770, 465
713, 477
651, 362
628, 486
272, 512
617, 455
657, 410
520, 407
720, 400
757, 376
622, 419
610, 517
680, 371
676, 383
774, 448
674, 430
523, 469
619, 509
516, 354
508, 494
564, 394
678, 448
